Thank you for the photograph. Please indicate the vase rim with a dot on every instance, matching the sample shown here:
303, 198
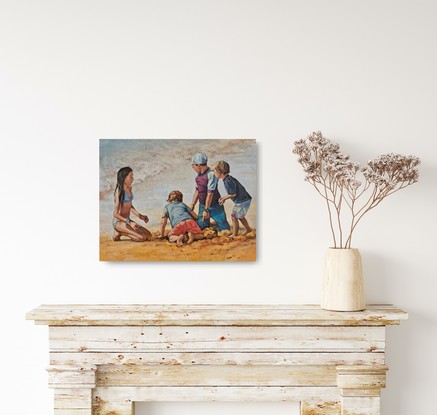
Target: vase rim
332, 247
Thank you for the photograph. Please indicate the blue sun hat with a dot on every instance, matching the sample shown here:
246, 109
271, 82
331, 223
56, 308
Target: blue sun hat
199, 158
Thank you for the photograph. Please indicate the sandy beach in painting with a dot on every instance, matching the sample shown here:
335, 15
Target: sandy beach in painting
159, 167
212, 248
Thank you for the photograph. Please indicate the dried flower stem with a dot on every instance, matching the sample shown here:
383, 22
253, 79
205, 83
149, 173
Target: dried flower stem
334, 177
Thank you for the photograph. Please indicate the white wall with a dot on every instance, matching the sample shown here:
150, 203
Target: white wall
71, 72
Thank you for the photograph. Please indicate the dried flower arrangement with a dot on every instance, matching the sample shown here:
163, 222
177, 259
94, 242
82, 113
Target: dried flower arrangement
350, 190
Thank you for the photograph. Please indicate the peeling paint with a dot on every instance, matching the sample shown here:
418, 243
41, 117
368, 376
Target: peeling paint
325, 408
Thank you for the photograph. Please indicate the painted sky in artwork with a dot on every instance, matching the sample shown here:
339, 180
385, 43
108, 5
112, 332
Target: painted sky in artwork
162, 165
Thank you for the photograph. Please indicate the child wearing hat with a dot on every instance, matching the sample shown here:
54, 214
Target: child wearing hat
237, 193
207, 195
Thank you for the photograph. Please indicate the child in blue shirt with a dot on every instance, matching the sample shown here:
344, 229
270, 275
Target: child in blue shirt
182, 219
237, 193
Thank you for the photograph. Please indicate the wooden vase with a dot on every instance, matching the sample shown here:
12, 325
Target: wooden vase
343, 287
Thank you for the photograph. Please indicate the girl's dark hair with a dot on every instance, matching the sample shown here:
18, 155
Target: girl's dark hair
121, 175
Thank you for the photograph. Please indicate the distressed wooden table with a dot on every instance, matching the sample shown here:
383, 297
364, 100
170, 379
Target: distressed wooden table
103, 358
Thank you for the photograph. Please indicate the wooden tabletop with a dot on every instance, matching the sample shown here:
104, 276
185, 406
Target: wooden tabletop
211, 315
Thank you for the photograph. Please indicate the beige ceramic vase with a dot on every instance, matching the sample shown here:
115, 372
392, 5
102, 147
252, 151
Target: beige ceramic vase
343, 286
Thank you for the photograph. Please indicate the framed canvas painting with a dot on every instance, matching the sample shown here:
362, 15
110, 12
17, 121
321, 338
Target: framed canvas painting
178, 199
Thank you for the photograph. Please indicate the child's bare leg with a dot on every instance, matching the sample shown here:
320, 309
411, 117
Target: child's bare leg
190, 238
125, 230
146, 233
235, 226
180, 240
194, 237
116, 236
246, 225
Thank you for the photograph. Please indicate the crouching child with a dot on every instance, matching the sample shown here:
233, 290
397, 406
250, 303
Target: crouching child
182, 220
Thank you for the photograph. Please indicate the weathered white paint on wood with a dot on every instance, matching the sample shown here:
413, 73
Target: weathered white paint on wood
361, 406
218, 393
216, 338
142, 375
361, 377
113, 406
216, 358
361, 392
222, 315
320, 408
78, 411
76, 398
72, 377
105, 357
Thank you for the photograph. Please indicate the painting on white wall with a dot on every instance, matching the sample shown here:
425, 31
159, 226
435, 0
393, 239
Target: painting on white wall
178, 199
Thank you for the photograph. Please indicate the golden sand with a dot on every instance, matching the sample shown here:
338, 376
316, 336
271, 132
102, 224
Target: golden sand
213, 248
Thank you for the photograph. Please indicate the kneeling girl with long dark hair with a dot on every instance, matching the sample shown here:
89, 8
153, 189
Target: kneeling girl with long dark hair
123, 207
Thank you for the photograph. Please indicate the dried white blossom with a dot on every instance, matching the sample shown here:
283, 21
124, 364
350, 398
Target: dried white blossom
335, 178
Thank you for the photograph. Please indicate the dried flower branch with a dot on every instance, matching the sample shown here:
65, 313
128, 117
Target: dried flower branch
350, 190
